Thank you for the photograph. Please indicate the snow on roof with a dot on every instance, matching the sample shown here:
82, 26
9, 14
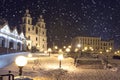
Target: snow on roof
6, 30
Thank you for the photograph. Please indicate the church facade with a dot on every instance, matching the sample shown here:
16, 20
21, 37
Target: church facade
93, 44
35, 34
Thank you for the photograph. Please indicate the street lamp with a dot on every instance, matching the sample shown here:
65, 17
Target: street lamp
21, 61
55, 48
60, 58
76, 49
49, 51
64, 47
60, 51
69, 46
79, 46
67, 50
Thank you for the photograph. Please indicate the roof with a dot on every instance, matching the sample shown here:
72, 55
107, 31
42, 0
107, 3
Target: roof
2, 22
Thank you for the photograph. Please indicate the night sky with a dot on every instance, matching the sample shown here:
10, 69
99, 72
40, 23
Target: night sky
66, 19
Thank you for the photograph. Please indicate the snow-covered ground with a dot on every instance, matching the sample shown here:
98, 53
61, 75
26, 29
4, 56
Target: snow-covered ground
47, 68
9, 58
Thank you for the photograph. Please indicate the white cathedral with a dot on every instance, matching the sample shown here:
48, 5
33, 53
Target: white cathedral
35, 34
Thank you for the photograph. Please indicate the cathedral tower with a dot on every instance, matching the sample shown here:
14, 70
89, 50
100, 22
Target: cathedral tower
26, 23
35, 34
41, 29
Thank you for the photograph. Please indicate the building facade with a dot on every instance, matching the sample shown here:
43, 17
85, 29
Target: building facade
11, 39
35, 34
94, 44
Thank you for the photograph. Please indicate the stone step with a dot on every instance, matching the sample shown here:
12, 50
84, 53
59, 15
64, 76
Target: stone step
90, 66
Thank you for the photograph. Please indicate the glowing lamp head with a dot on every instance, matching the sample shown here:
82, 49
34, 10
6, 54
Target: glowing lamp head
60, 57
60, 50
76, 50
21, 61
107, 50
56, 47
86, 48
67, 50
78, 45
49, 50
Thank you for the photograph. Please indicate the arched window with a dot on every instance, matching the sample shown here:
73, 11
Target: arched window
28, 29
11, 44
28, 21
18, 46
3, 43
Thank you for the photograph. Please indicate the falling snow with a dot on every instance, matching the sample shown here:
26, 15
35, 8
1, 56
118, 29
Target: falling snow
71, 18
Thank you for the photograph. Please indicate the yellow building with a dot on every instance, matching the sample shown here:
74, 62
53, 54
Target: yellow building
35, 34
94, 44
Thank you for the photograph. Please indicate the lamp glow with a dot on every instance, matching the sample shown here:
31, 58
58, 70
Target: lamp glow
67, 50
21, 61
78, 45
60, 57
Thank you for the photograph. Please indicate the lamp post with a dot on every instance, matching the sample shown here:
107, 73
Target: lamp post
21, 61
55, 49
67, 50
49, 51
60, 58
79, 46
